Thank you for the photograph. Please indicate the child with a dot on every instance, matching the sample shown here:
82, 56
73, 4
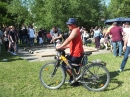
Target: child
58, 42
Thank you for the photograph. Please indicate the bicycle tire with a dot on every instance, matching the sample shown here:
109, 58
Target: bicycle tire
96, 77
49, 81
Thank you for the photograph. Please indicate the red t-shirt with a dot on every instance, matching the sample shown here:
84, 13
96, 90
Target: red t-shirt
76, 46
116, 33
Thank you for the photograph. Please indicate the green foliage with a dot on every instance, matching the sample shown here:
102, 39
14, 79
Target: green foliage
4, 16
50, 12
17, 9
46, 13
119, 8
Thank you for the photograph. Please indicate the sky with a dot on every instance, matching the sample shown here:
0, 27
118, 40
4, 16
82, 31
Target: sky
107, 1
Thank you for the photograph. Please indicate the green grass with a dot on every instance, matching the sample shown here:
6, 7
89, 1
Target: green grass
20, 78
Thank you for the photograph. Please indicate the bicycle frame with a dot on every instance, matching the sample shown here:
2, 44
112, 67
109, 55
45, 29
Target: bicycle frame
62, 57
84, 62
85, 74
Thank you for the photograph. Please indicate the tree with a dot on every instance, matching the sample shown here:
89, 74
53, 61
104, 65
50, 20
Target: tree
46, 13
19, 11
119, 8
3, 15
51, 12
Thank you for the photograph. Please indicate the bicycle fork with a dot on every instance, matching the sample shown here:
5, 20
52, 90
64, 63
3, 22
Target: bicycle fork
55, 68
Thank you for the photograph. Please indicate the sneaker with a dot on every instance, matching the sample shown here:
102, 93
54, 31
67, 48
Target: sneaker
114, 56
69, 81
14, 54
119, 71
120, 56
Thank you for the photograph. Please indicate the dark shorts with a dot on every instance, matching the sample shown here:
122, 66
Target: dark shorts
73, 60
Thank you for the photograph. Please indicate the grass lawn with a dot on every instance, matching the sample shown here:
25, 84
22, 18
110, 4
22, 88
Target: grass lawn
20, 78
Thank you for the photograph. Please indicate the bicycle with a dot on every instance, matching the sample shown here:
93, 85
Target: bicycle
93, 75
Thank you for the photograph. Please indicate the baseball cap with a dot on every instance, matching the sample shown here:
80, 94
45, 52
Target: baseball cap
71, 21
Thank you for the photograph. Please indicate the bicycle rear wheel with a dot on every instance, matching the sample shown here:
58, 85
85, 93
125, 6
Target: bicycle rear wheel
96, 77
50, 78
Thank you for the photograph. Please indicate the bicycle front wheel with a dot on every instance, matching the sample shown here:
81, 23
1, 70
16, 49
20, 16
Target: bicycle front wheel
51, 77
96, 77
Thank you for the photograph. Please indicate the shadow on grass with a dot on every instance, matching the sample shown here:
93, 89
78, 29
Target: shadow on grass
6, 55
113, 80
126, 70
10, 60
68, 86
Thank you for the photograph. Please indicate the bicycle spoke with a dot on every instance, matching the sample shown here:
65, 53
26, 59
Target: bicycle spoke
52, 77
96, 77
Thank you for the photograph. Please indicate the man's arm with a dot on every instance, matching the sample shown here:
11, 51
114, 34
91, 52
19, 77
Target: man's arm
125, 42
72, 35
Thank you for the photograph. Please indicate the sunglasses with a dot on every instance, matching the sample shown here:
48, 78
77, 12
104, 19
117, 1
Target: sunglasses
69, 24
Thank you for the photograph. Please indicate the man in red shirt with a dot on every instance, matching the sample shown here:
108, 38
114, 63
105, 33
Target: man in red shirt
73, 42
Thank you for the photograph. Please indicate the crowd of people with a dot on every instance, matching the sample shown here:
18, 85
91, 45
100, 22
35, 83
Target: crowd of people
27, 35
11, 37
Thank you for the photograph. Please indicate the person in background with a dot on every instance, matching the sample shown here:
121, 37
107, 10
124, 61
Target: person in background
31, 36
25, 33
40, 36
116, 33
21, 36
55, 34
85, 36
17, 34
1, 38
110, 36
81, 31
126, 47
1, 35
106, 38
13, 39
97, 37
91, 32
6, 40
49, 38
126, 30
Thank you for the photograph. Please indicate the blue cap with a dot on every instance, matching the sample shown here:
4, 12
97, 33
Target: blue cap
71, 21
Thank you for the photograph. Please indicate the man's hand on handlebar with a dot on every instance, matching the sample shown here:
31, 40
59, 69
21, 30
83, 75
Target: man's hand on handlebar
59, 48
